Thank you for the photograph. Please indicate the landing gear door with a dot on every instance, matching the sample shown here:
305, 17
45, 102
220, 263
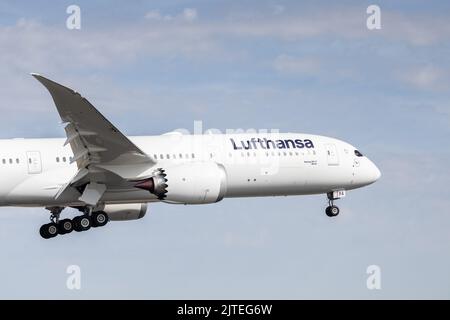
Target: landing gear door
332, 155
34, 162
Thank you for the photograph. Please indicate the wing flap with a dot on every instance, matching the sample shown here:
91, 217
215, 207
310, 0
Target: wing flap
93, 193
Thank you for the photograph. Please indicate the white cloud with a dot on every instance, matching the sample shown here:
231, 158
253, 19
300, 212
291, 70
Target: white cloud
26, 45
153, 15
190, 14
427, 77
187, 15
419, 30
55, 51
347, 23
294, 65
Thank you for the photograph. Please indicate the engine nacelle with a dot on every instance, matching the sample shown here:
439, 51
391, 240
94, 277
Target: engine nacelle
122, 212
189, 183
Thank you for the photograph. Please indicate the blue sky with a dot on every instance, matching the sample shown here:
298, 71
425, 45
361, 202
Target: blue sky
311, 66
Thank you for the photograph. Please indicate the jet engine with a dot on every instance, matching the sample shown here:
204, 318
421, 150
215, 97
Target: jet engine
189, 183
122, 212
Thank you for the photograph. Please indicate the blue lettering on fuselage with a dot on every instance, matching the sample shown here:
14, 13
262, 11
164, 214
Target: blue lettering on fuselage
256, 143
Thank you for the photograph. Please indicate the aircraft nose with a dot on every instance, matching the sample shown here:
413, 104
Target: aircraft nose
373, 172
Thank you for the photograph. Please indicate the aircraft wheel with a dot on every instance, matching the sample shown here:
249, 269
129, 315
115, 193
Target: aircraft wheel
332, 211
85, 223
76, 224
49, 230
65, 226
99, 219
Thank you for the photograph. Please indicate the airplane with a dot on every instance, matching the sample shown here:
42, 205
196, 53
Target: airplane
108, 176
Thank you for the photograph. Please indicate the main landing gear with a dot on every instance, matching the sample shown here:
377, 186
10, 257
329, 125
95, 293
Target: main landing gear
332, 210
80, 223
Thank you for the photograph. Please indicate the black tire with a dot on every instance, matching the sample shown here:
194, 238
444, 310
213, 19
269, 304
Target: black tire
49, 230
84, 222
328, 211
65, 226
334, 211
76, 224
99, 219
43, 232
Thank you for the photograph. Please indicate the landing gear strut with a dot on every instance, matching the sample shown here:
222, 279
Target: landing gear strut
331, 210
80, 223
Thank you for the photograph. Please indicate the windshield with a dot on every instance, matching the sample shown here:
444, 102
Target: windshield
358, 154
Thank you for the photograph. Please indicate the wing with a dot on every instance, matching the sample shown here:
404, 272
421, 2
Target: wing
100, 150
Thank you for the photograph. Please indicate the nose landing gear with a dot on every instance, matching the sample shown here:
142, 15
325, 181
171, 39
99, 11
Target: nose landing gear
332, 210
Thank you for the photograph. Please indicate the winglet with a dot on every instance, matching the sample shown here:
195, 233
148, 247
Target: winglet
41, 79
50, 84
37, 76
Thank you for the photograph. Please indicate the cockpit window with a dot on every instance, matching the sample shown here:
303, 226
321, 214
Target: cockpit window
358, 154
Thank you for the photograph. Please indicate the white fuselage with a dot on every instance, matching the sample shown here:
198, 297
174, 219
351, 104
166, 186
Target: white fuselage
34, 170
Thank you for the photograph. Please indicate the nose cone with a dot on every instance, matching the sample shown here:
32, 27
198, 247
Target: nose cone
373, 173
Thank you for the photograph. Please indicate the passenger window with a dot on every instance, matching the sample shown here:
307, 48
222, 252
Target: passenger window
57, 159
10, 161
17, 161
155, 156
161, 156
167, 156
193, 156
4, 161
64, 159
358, 154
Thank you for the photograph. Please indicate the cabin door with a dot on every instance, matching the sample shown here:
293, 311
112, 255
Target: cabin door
34, 162
332, 155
